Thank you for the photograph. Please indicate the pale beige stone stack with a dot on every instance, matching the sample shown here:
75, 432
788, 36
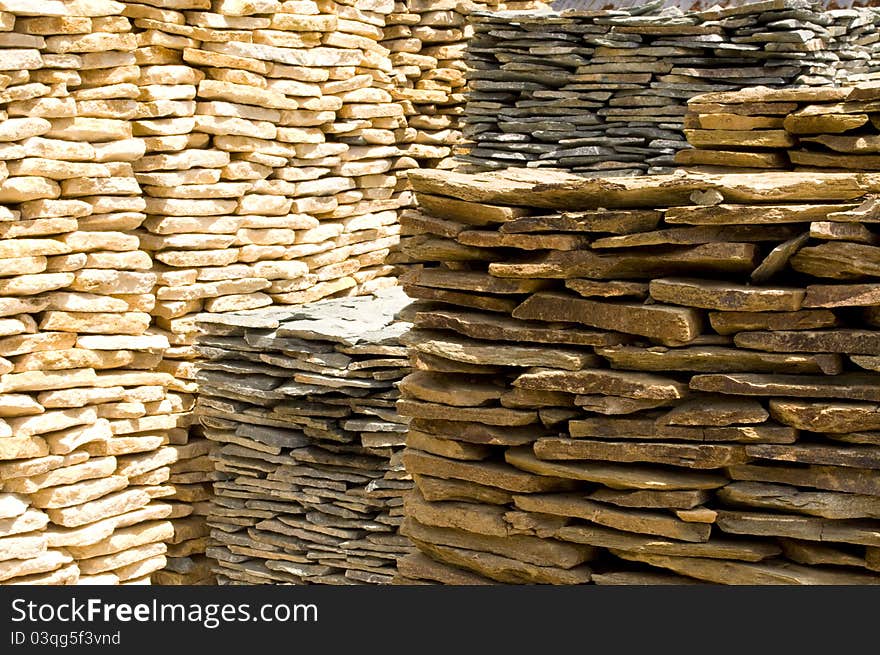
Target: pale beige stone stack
85, 419
178, 175
270, 147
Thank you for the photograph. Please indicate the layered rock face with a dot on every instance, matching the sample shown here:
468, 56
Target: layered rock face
760, 128
87, 420
667, 379
300, 404
603, 93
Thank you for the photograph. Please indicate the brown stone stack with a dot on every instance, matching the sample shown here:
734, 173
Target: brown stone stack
85, 418
301, 406
666, 379
803, 129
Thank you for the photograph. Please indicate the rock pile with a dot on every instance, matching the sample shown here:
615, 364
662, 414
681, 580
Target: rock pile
603, 93
761, 128
301, 406
84, 417
643, 380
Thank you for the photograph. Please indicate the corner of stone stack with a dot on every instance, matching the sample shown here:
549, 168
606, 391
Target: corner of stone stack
804, 129
645, 380
86, 418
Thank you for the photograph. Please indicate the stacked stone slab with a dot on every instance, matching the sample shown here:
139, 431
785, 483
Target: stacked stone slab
270, 148
300, 404
427, 40
85, 417
804, 129
603, 93
180, 178
667, 379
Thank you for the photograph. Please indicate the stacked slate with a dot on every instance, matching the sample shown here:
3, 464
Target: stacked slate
603, 93
427, 40
668, 379
269, 135
802, 129
84, 417
300, 404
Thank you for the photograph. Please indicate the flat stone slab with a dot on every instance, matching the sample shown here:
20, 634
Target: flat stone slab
850, 386
722, 296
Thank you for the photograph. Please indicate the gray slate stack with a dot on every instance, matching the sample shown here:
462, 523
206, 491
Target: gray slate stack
604, 92
309, 476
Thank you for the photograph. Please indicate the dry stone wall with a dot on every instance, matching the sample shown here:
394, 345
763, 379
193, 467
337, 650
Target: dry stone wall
301, 405
603, 93
667, 379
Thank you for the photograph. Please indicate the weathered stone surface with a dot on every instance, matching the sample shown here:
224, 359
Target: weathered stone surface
826, 416
805, 319
445, 447
717, 412
616, 383
666, 499
438, 489
421, 567
468, 281
747, 573
839, 260
500, 328
799, 527
712, 257
480, 352
640, 522
479, 433
750, 215
726, 297
851, 341
718, 548
505, 569
704, 456
716, 358
833, 478
860, 457
842, 295
562, 191
616, 476
500, 416
792, 500
657, 429
668, 325
484, 520
542, 552
850, 386
616, 222
436, 388
495, 474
